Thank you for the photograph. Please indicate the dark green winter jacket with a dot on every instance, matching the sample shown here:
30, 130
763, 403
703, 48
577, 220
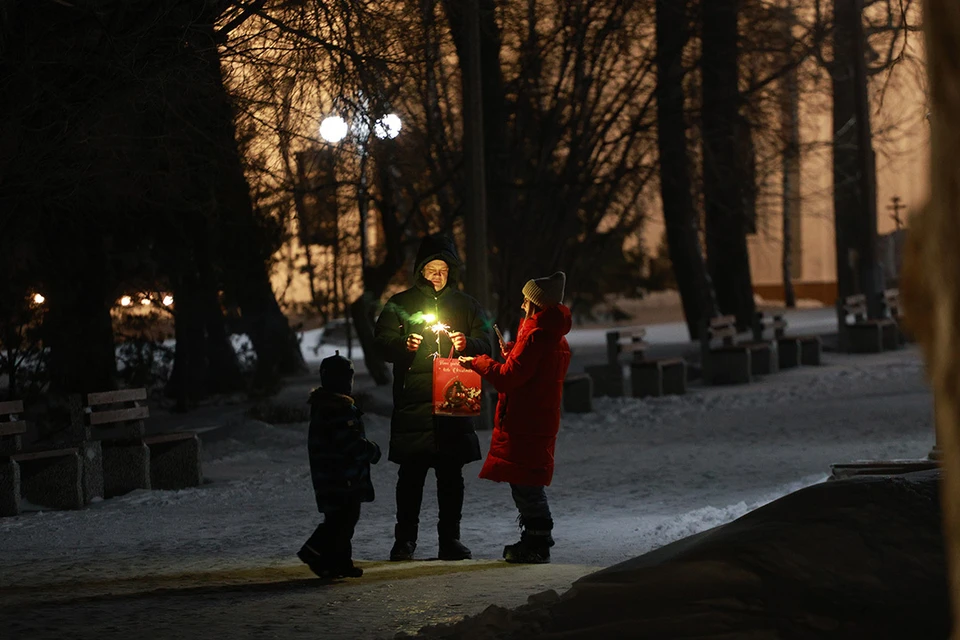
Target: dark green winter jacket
340, 454
416, 435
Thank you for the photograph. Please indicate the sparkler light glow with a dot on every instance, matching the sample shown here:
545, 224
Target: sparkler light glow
438, 327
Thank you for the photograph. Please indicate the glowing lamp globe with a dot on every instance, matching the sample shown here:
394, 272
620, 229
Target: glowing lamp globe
388, 127
333, 129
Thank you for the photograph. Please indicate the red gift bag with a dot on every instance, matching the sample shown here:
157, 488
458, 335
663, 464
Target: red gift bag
456, 391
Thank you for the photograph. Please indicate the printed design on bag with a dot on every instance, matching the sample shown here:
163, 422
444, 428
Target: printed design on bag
459, 398
456, 391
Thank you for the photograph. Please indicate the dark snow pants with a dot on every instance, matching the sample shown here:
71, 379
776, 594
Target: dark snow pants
531, 503
332, 539
410, 480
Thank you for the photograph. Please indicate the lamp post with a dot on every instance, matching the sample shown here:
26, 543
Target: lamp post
334, 129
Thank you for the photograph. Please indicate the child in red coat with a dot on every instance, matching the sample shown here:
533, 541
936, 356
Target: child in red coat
530, 387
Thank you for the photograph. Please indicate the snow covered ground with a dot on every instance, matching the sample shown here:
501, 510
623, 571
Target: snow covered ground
632, 476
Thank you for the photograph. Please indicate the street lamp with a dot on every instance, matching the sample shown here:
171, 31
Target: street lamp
334, 129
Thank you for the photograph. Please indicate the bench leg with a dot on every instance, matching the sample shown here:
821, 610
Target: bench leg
788, 353
126, 467
607, 380
730, 367
646, 380
674, 378
91, 456
176, 465
811, 349
865, 338
9, 488
578, 394
891, 336
761, 361
53, 482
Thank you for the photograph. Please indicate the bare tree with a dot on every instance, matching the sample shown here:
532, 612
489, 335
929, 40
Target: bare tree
682, 228
569, 129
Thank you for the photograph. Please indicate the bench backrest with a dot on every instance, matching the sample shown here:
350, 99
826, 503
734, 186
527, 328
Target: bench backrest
856, 305
763, 322
724, 328
116, 414
629, 340
109, 416
10, 422
891, 300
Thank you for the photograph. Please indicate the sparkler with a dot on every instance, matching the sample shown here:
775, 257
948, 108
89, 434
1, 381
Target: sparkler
438, 328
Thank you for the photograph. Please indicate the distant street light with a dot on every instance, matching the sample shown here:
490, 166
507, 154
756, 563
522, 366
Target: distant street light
125, 301
167, 301
145, 302
38, 298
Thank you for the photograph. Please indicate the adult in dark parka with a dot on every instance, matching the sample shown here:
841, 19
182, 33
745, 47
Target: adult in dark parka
418, 439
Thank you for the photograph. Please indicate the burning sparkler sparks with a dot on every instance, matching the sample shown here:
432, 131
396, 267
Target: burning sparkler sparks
440, 327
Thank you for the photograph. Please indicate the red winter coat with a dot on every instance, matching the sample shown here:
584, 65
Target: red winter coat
530, 386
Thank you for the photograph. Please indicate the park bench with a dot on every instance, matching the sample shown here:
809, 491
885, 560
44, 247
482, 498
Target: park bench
114, 422
578, 393
866, 335
894, 308
651, 376
49, 477
792, 351
648, 377
729, 362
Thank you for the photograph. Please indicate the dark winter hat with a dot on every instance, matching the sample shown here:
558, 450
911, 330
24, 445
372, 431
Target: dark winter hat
544, 292
336, 374
438, 246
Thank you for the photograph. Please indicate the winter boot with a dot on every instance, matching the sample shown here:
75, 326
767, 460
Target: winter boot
317, 562
345, 569
450, 546
406, 542
534, 545
453, 550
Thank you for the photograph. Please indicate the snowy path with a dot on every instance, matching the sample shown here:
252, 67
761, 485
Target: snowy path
630, 477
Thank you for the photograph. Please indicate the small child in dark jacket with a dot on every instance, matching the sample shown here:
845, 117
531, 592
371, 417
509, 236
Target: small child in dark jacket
340, 458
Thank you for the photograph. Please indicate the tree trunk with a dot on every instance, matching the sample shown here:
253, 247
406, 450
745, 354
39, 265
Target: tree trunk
77, 327
495, 139
188, 379
854, 179
247, 245
790, 139
675, 188
725, 222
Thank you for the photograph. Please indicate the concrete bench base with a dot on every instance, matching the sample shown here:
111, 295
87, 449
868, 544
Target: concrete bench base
578, 393
607, 380
126, 467
656, 378
794, 351
9, 487
91, 459
891, 335
729, 365
175, 458
864, 337
52, 478
811, 349
788, 353
762, 362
